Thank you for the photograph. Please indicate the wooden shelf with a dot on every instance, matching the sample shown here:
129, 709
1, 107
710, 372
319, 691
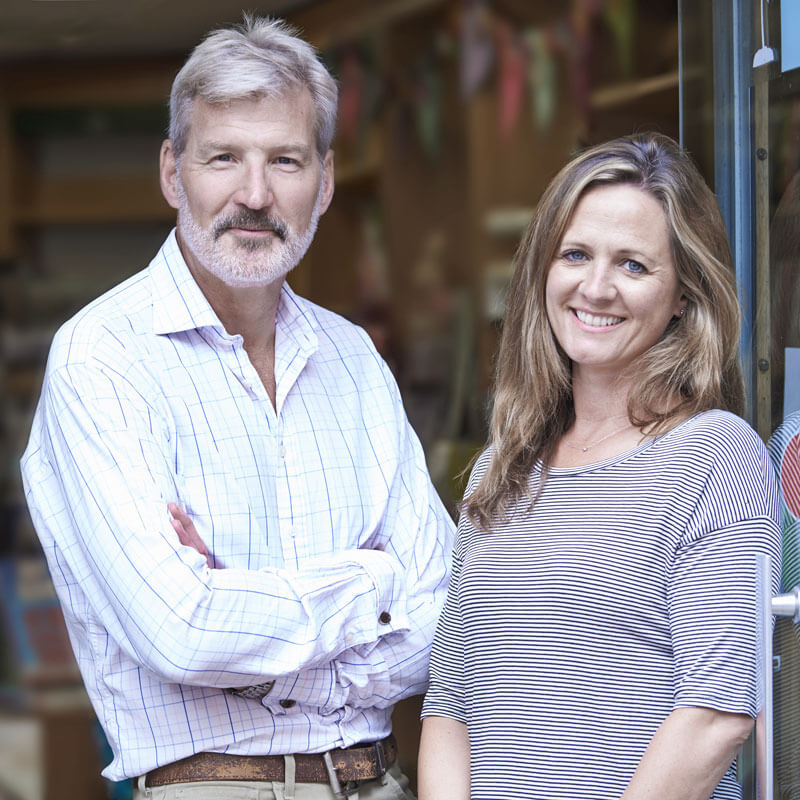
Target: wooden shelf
123, 82
327, 22
630, 91
356, 172
84, 199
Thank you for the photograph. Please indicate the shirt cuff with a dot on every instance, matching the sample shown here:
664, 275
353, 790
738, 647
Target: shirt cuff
388, 578
316, 687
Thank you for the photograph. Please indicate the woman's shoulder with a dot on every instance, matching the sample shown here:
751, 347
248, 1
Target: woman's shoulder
716, 430
726, 449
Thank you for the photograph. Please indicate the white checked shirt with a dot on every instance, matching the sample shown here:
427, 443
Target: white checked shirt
329, 545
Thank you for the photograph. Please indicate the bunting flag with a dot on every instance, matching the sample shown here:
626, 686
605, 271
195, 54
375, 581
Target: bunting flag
620, 16
525, 64
477, 46
374, 88
511, 77
428, 106
542, 76
351, 95
579, 31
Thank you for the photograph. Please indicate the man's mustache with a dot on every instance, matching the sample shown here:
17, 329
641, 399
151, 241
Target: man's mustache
252, 221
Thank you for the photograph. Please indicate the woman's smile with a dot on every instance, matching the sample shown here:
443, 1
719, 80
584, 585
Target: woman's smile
612, 288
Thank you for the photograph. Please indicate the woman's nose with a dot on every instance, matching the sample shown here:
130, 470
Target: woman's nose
598, 282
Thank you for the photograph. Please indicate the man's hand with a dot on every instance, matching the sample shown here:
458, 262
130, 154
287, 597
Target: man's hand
187, 533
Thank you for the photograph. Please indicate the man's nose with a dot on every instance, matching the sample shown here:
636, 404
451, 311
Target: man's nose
255, 191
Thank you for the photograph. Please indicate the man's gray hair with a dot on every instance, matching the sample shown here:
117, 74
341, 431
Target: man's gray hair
259, 58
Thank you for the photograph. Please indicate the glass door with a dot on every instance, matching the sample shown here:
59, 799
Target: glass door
740, 119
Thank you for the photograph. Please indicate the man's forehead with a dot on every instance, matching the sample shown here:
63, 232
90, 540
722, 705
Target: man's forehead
291, 110
293, 98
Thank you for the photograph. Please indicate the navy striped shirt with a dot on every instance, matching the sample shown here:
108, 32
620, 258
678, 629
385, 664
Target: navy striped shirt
573, 629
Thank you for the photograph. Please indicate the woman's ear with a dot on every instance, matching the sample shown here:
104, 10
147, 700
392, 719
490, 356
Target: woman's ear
680, 306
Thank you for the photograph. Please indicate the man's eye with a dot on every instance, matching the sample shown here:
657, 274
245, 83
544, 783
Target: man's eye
286, 161
223, 157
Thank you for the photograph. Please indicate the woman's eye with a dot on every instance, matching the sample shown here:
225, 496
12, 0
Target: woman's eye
635, 267
573, 256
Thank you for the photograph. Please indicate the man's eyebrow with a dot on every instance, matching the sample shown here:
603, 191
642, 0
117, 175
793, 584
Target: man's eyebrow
220, 146
293, 147
214, 147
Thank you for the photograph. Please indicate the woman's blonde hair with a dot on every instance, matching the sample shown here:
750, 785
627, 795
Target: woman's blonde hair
694, 364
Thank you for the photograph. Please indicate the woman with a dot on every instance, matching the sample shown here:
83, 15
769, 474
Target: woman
598, 640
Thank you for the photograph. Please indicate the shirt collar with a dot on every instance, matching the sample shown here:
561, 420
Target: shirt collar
178, 302
296, 322
180, 305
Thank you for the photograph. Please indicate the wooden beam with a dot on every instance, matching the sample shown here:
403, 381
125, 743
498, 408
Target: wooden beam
7, 237
91, 199
331, 21
632, 91
118, 83
763, 323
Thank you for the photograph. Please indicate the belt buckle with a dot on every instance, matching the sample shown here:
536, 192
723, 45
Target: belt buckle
333, 779
380, 759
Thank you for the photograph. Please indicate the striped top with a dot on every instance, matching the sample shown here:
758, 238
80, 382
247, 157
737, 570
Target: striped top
330, 547
572, 630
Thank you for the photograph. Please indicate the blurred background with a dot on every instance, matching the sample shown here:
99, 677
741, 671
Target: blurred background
454, 115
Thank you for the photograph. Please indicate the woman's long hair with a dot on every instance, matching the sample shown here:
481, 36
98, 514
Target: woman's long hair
695, 363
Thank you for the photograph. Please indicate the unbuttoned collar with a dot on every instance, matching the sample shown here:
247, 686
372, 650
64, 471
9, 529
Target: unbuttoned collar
180, 305
178, 302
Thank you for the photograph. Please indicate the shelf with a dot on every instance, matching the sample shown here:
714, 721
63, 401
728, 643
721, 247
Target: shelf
83, 199
623, 93
63, 85
357, 172
329, 22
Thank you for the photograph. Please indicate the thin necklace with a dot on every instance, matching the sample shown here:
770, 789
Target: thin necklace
599, 441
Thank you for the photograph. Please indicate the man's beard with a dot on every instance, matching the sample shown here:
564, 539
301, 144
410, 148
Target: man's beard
246, 262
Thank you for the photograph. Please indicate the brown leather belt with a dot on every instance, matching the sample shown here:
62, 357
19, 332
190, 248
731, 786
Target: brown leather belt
364, 762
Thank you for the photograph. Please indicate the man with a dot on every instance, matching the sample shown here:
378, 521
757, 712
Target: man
260, 631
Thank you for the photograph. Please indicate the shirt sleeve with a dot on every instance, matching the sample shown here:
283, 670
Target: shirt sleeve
446, 696
417, 533
97, 481
712, 588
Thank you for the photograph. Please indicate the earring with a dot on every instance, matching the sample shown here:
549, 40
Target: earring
683, 311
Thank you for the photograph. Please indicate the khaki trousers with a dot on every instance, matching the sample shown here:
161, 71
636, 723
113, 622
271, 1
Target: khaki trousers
393, 786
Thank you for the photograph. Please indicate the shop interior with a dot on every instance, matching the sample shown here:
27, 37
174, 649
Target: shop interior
454, 115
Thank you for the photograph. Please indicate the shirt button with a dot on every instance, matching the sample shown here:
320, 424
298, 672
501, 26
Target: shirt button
288, 703
385, 618
282, 450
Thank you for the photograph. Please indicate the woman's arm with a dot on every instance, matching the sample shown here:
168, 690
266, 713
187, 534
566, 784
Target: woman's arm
688, 755
443, 766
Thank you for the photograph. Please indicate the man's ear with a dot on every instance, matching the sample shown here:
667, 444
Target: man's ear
327, 182
168, 172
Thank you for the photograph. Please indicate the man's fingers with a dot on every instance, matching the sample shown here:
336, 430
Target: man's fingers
187, 533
